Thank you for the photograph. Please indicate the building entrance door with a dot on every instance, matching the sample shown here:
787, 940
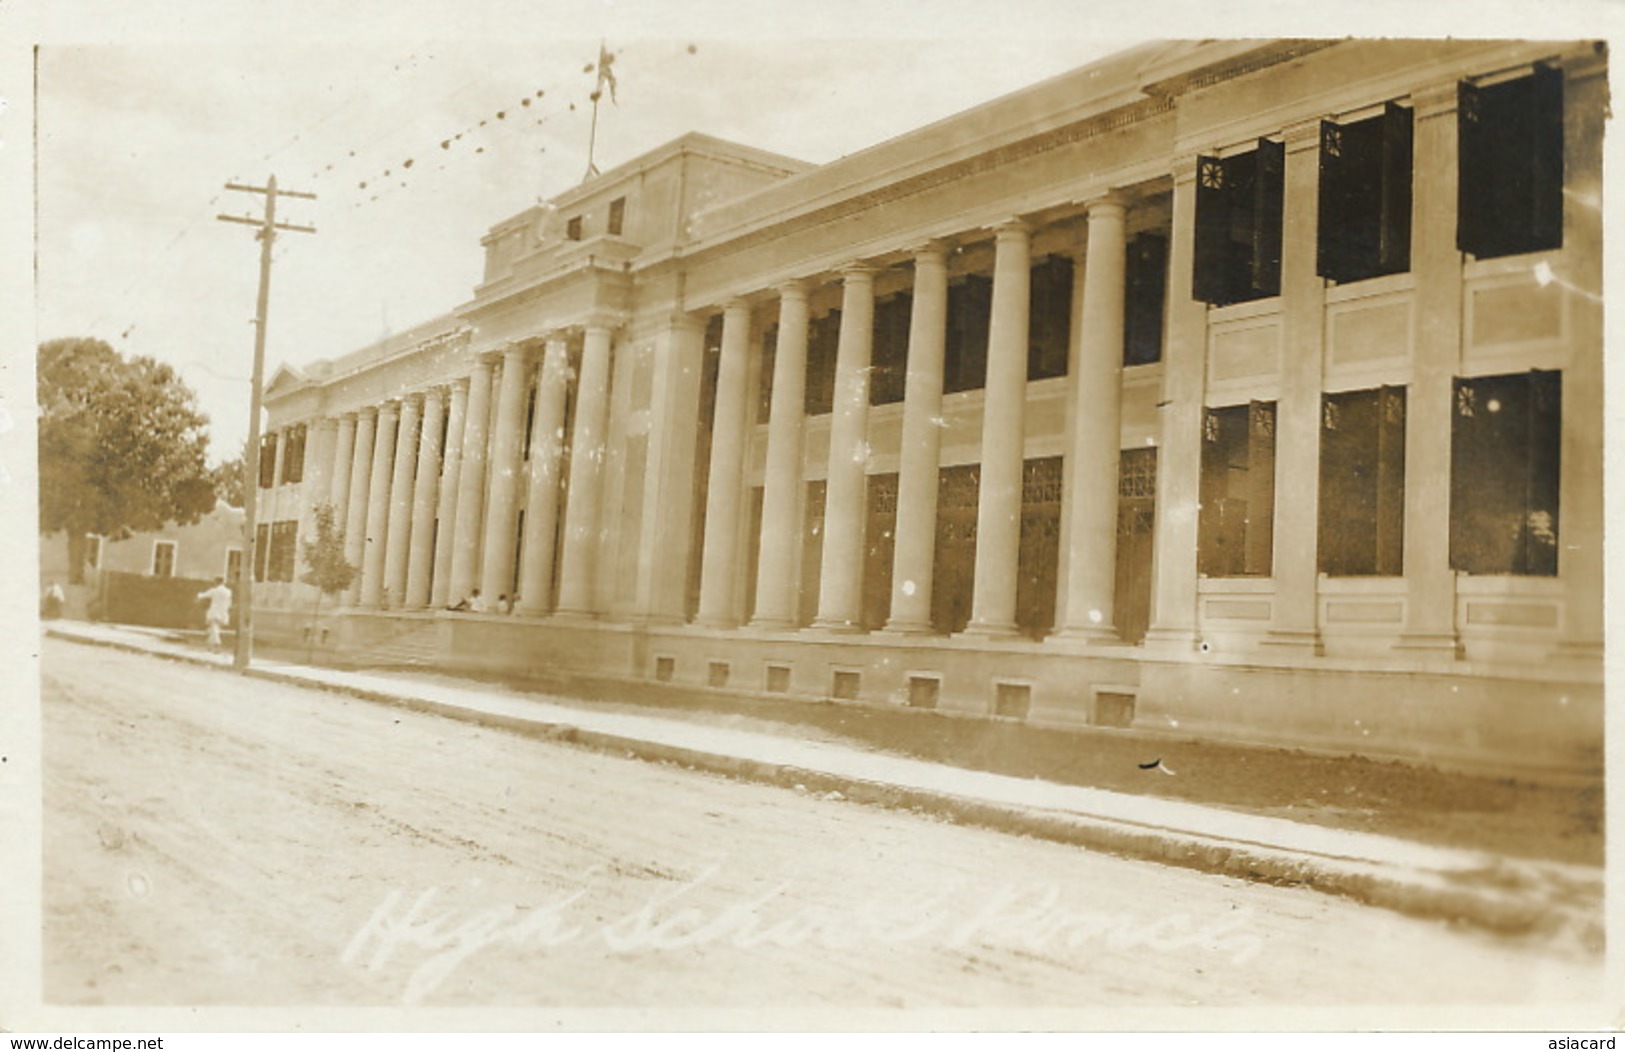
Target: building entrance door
1136, 522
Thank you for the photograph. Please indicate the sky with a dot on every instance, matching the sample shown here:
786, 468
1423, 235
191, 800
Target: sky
143, 112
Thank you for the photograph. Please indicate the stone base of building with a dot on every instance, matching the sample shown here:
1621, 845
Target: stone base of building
1507, 720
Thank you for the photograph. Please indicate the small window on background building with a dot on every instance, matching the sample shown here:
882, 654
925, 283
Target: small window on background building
1504, 474
1510, 170
1362, 483
1236, 520
572, 229
1238, 225
1365, 197
617, 216
163, 558
1145, 293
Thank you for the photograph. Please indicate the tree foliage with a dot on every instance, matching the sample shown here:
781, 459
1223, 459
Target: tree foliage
325, 566
227, 478
122, 442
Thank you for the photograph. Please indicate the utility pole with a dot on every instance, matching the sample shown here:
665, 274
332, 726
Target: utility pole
266, 234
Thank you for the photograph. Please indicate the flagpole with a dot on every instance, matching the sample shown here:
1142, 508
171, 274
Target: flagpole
592, 138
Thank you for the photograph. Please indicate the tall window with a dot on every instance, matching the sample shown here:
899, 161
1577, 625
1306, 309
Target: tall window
293, 455
1510, 175
1365, 197
1049, 325
262, 550
163, 558
1362, 483
1235, 525
964, 358
268, 461
1504, 474
823, 343
1145, 291
1238, 225
572, 229
617, 216
888, 373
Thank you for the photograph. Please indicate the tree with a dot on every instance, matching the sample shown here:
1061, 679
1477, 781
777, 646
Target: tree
227, 478
326, 569
122, 444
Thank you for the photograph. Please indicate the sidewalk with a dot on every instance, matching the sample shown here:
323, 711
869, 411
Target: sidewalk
1515, 896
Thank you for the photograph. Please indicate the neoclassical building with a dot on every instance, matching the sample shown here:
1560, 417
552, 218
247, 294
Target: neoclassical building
1244, 388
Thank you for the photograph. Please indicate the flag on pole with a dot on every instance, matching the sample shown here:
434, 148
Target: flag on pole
606, 74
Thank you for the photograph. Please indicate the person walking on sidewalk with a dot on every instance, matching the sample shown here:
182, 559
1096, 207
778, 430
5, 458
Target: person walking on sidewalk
219, 612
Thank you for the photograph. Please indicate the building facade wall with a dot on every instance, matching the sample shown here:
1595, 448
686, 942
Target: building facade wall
1129, 483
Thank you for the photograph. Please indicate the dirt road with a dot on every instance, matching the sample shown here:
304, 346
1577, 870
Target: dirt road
216, 840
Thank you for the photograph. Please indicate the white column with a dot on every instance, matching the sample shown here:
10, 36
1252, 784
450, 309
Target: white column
666, 537
502, 521
1091, 460
840, 594
576, 592
998, 507
471, 485
546, 453
1179, 463
451, 473
917, 477
777, 590
400, 502
378, 487
420, 559
355, 521
314, 489
725, 486
1297, 414
338, 479
1430, 605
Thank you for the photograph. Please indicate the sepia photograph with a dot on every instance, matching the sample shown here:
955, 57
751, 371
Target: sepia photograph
696, 516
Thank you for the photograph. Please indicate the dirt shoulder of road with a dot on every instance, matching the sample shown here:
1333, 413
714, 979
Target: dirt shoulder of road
1519, 817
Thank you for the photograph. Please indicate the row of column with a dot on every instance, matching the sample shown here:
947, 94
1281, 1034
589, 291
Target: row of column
427, 526
1090, 539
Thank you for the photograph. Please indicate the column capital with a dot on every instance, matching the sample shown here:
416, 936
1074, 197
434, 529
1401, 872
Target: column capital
689, 320
366, 412
1184, 168
737, 303
1302, 135
1012, 229
392, 407
794, 288
858, 270
1438, 99
936, 248
604, 320
1106, 202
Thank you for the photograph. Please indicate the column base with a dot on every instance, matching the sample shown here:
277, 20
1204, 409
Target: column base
717, 622
1170, 640
909, 628
1443, 644
1294, 639
838, 626
984, 630
773, 624
1088, 635
576, 617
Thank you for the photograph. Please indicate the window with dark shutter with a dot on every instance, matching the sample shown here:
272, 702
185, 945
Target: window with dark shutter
1510, 166
262, 550
1145, 291
1506, 438
1365, 196
1362, 483
970, 308
1236, 519
293, 455
617, 216
1049, 327
1238, 225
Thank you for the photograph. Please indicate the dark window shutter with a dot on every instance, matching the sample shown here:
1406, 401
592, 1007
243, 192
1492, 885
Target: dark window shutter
1330, 246
1208, 279
1472, 170
1394, 244
1260, 543
1545, 440
1145, 292
1546, 159
1390, 539
1269, 184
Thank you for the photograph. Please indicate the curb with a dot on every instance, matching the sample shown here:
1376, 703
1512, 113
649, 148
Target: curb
1484, 898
